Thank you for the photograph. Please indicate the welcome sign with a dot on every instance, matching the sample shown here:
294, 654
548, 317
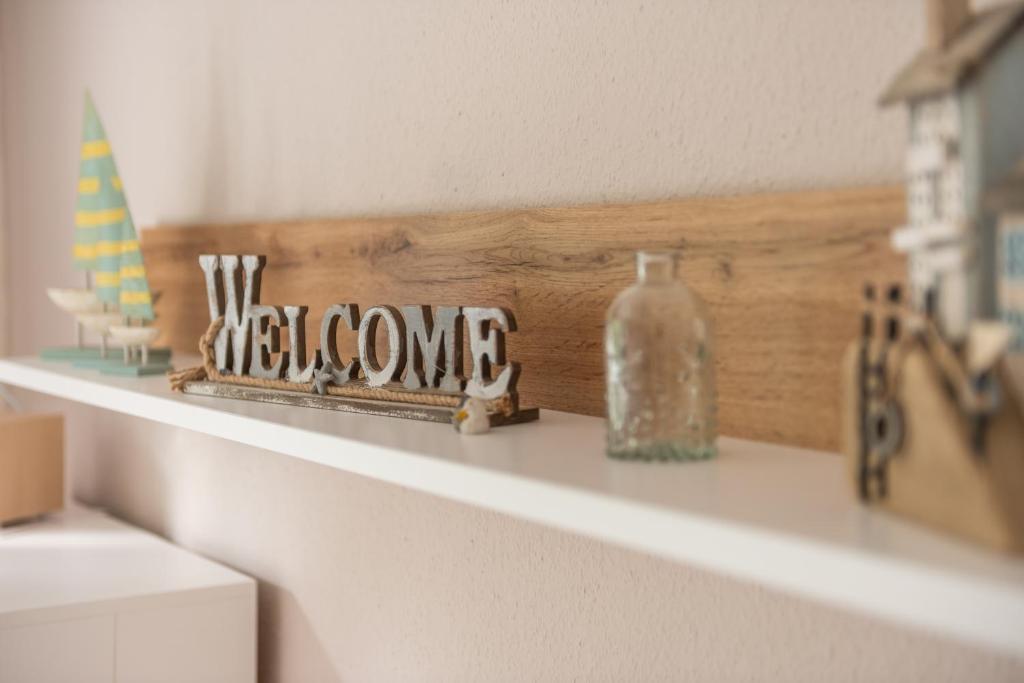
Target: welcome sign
419, 375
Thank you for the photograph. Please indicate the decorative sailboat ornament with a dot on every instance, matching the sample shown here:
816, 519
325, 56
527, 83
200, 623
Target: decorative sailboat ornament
116, 302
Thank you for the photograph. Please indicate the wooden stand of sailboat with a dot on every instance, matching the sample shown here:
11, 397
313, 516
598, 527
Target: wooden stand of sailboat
99, 323
137, 357
135, 341
107, 249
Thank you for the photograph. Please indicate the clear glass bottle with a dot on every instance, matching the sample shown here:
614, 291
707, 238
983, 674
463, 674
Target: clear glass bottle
660, 368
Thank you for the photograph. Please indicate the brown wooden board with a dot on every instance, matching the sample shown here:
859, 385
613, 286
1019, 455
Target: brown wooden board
782, 275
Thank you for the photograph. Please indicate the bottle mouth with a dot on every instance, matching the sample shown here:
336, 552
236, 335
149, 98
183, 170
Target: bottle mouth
657, 266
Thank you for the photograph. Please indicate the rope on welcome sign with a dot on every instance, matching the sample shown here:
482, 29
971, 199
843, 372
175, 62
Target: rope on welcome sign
208, 372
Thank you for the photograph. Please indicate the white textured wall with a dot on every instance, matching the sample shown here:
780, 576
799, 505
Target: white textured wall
224, 110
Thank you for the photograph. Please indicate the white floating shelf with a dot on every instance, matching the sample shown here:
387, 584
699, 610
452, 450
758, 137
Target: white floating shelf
781, 517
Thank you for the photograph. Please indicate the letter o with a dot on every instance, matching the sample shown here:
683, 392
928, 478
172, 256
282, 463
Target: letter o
376, 374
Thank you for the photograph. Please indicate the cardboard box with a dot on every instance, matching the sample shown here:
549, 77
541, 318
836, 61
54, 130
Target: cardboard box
31, 465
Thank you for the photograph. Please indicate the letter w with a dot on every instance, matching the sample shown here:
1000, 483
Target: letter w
232, 345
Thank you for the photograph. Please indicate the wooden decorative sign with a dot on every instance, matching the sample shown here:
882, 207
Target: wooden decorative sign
419, 376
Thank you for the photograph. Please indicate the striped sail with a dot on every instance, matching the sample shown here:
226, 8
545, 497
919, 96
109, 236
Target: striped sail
105, 239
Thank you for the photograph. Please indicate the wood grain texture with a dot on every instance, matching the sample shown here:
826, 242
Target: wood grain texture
782, 275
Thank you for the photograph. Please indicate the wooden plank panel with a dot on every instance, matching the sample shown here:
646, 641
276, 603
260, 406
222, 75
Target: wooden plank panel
782, 275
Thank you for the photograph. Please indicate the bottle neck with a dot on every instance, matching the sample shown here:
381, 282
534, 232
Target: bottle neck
656, 268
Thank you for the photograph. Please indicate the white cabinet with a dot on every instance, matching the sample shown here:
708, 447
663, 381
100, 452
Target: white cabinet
86, 598
58, 651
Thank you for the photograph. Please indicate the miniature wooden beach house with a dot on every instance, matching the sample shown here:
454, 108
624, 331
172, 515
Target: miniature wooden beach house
965, 98
933, 419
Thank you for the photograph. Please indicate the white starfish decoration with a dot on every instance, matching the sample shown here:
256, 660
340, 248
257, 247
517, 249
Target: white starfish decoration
322, 378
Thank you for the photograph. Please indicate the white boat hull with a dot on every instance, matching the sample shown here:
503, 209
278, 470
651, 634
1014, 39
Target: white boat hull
134, 336
99, 323
75, 300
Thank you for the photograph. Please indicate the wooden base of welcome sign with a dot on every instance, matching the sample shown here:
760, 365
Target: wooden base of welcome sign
421, 377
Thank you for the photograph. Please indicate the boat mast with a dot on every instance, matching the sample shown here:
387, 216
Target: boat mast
79, 329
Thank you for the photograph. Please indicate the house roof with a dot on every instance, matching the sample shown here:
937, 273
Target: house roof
1008, 193
936, 71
